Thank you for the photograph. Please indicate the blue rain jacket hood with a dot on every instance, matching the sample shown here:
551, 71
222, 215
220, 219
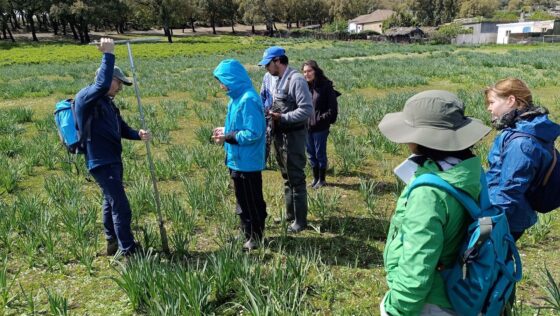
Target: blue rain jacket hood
245, 124
515, 163
234, 76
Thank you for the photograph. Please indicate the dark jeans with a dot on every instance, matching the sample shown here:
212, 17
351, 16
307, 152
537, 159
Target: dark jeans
116, 209
251, 206
290, 155
317, 148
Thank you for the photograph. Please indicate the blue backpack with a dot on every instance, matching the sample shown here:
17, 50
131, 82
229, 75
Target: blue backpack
544, 193
482, 278
65, 119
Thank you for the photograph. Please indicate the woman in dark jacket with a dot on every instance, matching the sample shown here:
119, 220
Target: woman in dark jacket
325, 111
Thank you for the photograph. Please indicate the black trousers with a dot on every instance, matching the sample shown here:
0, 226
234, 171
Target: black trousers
251, 206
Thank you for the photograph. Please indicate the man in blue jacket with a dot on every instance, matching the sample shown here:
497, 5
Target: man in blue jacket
103, 128
244, 138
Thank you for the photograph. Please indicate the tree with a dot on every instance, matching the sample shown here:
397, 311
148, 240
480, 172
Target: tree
4, 16
514, 5
115, 13
434, 12
210, 10
447, 32
82, 12
251, 12
400, 18
541, 15
273, 11
189, 11
320, 11
346, 9
229, 10
474, 8
165, 12
29, 8
60, 11
505, 16
142, 15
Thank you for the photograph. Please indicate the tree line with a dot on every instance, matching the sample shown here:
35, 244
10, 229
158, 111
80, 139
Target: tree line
79, 17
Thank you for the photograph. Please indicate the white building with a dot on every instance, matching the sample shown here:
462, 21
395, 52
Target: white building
369, 22
509, 31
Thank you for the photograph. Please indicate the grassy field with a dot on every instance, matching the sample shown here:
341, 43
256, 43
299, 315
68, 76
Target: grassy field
51, 232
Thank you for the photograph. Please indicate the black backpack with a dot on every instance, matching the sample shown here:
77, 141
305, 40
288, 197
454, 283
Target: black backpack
335, 114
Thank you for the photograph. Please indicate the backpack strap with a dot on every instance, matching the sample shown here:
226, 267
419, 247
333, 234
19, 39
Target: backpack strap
552, 165
432, 180
86, 134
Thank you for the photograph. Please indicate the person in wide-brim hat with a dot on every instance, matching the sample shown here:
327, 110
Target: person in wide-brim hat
429, 225
434, 119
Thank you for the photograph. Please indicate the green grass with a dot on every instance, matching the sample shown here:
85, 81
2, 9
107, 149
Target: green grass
51, 231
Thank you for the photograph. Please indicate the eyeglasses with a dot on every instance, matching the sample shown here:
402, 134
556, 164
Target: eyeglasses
272, 61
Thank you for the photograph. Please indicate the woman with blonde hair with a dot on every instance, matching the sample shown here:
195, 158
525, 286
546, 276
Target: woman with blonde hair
521, 153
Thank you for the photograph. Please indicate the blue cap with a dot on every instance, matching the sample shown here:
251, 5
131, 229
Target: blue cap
271, 53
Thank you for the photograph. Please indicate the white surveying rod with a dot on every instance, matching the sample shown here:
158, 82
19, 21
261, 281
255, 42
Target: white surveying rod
163, 233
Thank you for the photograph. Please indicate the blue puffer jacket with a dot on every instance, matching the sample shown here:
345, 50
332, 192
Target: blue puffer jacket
513, 168
245, 123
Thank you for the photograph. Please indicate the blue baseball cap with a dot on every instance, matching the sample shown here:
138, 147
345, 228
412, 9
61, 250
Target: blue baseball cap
271, 53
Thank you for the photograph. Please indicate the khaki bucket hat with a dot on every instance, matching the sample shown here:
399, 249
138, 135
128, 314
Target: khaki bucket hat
434, 119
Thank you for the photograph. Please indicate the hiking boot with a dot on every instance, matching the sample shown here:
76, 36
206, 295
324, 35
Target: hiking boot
250, 244
112, 247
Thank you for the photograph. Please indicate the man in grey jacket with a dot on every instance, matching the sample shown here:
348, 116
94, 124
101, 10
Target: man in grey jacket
289, 112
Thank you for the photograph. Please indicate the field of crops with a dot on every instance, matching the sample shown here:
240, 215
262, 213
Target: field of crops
50, 211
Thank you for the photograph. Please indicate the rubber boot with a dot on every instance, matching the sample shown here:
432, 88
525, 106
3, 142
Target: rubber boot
289, 200
300, 209
315, 177
322, 182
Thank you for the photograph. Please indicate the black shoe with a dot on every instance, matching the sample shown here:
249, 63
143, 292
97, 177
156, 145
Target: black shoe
112, 247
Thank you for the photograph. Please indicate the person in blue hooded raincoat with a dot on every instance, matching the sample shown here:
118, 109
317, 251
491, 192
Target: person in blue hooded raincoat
243, 136
516, 162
